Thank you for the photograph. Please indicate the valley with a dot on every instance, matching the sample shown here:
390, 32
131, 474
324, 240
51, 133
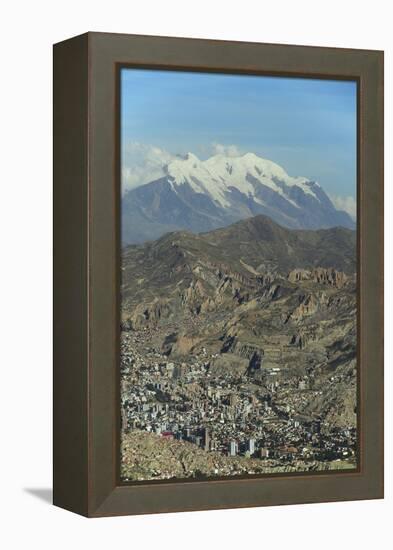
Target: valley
238, 352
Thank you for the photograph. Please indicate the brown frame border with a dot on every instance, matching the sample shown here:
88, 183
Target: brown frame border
86, 238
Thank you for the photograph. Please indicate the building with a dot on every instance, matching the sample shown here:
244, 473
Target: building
264, 452
233, 400
206, 439
233, 448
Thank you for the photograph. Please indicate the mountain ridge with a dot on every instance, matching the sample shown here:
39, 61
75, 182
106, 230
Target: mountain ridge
204, 195
250, 251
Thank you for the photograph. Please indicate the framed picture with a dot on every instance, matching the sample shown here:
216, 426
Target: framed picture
218, 274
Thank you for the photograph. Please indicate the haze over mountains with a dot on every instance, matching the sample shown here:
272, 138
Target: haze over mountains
199, 196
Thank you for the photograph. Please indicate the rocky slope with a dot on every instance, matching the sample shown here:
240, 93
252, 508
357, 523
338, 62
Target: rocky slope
149, 456
256, 296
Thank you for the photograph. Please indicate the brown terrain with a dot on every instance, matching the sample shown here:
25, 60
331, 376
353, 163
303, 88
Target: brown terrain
253, 310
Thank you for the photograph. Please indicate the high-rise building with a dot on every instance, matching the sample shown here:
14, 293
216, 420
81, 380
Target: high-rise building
206, 439
124, 419
264, 453
233, 400
233, 448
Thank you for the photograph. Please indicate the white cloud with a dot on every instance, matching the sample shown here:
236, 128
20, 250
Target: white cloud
141, 164
227, 150
348, 204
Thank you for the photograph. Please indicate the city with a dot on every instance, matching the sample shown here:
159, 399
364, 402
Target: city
254, 415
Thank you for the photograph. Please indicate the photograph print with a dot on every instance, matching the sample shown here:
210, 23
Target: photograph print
238, 293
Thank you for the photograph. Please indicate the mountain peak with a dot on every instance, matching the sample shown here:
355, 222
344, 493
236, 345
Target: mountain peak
252, 157
200, 195
192, 157
219, 174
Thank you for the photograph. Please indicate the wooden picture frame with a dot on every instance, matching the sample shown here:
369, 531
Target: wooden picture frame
86, 272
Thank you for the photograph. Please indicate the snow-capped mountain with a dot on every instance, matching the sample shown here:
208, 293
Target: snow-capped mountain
202, 195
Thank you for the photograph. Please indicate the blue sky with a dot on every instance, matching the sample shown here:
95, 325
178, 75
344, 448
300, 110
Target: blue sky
307, 126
